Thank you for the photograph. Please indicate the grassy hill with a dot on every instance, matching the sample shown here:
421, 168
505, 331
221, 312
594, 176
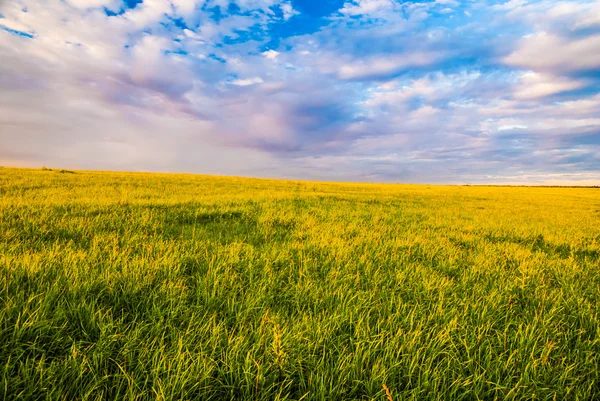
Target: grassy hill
154, 286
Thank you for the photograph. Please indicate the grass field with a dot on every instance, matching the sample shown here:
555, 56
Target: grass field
180, 287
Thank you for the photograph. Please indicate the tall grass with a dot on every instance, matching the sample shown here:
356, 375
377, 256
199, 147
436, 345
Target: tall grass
148, 286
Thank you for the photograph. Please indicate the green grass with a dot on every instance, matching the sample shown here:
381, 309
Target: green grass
152, 286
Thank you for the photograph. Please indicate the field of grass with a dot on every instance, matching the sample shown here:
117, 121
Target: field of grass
119, 286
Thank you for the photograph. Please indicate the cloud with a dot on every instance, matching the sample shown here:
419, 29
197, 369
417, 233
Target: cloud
432, 88
534, 85
185, 7
367, 7
287, 10
439, 91
549, 15
271, 54
453, 3
246, 82
387, 65
85, 4
539, 52
148, 12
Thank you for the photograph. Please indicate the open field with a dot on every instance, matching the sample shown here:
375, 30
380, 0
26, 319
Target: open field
152, 286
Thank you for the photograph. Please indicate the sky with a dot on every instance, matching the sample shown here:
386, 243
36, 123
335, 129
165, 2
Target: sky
438, 91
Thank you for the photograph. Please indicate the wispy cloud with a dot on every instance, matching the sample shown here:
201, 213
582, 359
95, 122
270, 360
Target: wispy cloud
440, 91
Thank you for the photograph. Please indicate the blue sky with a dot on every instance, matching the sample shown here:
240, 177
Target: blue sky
441, 91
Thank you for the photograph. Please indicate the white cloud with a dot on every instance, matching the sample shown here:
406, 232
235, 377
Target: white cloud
534, 85
548, 52
383, 65
510, 5
148, 12
271, 54
92, 91
185, 7
560, 17
367, 7
288, 10
247, 81
511, 127
84, 4
15, 25
430, 88
590, 20
453, 3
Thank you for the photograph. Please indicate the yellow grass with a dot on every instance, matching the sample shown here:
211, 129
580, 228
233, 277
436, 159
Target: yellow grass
160, 286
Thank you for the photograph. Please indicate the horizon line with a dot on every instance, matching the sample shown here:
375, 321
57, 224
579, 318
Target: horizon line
326, 181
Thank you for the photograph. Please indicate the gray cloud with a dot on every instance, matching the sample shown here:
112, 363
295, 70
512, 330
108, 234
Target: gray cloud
400, 98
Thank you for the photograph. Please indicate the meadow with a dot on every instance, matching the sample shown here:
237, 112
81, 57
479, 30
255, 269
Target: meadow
132, 286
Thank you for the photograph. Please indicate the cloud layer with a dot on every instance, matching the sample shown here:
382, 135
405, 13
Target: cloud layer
374, 90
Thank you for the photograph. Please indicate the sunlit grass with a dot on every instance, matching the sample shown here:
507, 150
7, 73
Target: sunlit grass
150, 286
